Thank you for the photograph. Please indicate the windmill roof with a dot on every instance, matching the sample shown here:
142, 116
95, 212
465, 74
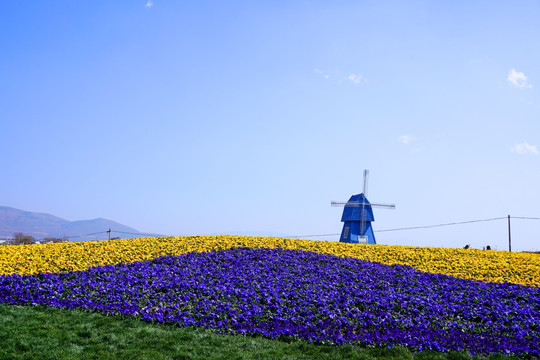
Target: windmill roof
354, 213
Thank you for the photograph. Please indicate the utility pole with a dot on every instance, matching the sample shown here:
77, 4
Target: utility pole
110, 232
509, 236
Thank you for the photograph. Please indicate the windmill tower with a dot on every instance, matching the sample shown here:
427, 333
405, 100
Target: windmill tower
357, 217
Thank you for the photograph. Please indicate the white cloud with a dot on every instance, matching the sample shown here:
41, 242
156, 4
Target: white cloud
326, 76
518, 79
356, 78
149, 4
524, 148
405, 139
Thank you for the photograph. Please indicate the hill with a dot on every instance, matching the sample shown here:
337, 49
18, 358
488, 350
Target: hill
41, 225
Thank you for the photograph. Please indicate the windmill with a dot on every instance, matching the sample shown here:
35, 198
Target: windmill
357, 217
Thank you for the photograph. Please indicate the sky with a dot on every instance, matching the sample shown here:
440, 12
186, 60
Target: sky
242, 117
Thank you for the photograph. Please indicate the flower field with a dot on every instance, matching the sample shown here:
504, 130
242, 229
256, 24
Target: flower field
325, 292
487, 266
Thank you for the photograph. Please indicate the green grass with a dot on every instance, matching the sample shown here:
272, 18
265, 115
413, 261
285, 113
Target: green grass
48, 333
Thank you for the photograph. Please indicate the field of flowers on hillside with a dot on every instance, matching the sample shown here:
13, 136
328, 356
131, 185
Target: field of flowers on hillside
322, 292
488, 266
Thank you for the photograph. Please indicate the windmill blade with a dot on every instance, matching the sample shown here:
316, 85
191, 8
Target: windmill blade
386, 206
366, 174
362, 216
358, 204
342, 203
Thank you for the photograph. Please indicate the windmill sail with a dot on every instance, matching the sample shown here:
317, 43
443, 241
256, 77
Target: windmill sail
358, 204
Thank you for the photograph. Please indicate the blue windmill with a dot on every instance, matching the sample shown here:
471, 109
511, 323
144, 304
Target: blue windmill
357, 217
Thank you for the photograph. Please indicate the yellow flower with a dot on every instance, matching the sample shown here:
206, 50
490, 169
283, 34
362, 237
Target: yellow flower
488, 266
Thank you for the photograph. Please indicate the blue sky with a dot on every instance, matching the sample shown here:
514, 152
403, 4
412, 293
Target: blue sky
208, 117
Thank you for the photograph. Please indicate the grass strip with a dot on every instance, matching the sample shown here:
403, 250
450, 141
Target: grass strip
48, 333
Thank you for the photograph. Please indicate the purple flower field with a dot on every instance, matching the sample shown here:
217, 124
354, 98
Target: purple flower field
292, 294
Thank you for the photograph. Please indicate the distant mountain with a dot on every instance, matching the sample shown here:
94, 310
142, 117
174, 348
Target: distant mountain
41, 225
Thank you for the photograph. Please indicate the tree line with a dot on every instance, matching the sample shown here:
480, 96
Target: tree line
25, 239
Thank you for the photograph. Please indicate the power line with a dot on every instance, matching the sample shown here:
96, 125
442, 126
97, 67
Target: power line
439, 225
74, 236
302, 236
131, 233
319, 235
524, 218
418, 227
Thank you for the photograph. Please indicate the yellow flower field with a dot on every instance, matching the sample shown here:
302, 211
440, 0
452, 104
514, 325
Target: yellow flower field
488, 266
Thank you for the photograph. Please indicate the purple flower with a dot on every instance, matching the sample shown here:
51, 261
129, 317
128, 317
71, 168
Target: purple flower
300, 295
